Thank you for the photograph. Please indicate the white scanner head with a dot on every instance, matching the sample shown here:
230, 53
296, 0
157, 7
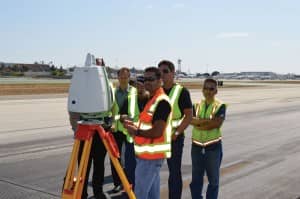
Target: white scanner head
90, 91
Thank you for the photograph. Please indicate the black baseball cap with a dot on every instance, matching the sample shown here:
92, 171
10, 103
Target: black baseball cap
140, 79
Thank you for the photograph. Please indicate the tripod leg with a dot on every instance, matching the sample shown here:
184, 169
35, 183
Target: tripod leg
120, 171
115, 161
68, 183
82, 168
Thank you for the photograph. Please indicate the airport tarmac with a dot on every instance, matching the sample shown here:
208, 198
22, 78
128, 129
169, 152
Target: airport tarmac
261, 145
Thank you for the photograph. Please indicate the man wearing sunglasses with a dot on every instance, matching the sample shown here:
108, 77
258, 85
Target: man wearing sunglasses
152, 137
206, 141
182, 115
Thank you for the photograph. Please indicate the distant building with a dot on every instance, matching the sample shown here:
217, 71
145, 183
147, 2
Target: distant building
250, 75
29, 70
259, 75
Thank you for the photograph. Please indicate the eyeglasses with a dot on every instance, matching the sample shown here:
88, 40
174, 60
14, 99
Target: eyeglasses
209, 88
165, 71
149, 79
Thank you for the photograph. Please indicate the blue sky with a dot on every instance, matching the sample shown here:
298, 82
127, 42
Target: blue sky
223, 35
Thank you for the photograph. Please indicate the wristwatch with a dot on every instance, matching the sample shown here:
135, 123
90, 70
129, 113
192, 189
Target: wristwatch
177, 133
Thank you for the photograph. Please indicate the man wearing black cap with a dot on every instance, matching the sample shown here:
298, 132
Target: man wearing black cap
143, 96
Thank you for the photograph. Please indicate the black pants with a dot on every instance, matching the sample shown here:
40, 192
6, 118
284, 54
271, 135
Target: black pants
120, 139
97, 154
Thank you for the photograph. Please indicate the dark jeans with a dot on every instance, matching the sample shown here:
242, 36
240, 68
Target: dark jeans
130, 165
97, 154
120, 139
130, 162
174, 164
207, 160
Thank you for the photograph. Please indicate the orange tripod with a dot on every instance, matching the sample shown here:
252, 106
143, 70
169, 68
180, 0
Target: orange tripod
74, 181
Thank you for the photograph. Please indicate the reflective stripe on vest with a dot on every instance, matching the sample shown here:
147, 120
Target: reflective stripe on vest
117, 117
133, 112
206, 143
177, 116
207, 137
113, 90
153, 148
132, 101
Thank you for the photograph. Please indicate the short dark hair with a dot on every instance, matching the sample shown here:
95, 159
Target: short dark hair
167, 63
124, 69
211, 81
154, 70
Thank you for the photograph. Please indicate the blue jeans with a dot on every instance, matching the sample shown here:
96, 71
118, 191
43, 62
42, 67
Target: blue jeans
207, 160
174, 164
147, 179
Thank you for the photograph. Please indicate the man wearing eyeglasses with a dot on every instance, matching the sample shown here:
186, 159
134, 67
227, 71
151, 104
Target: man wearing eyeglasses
152, 137
206, 141
182, 115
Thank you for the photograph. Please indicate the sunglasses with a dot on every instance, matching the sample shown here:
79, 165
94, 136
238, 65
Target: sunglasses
209, 88
149, 79
165, 71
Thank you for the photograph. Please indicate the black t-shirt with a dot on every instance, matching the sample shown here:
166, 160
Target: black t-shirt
124, 108
184, 101
162, 111
141, 105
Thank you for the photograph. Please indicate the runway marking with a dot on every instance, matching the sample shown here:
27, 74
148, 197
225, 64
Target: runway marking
31, 101
36, 150
31, 129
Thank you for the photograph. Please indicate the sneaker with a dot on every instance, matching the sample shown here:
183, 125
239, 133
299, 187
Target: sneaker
117, 189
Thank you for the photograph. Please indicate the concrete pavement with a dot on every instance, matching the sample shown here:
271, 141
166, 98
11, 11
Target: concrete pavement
261, 145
